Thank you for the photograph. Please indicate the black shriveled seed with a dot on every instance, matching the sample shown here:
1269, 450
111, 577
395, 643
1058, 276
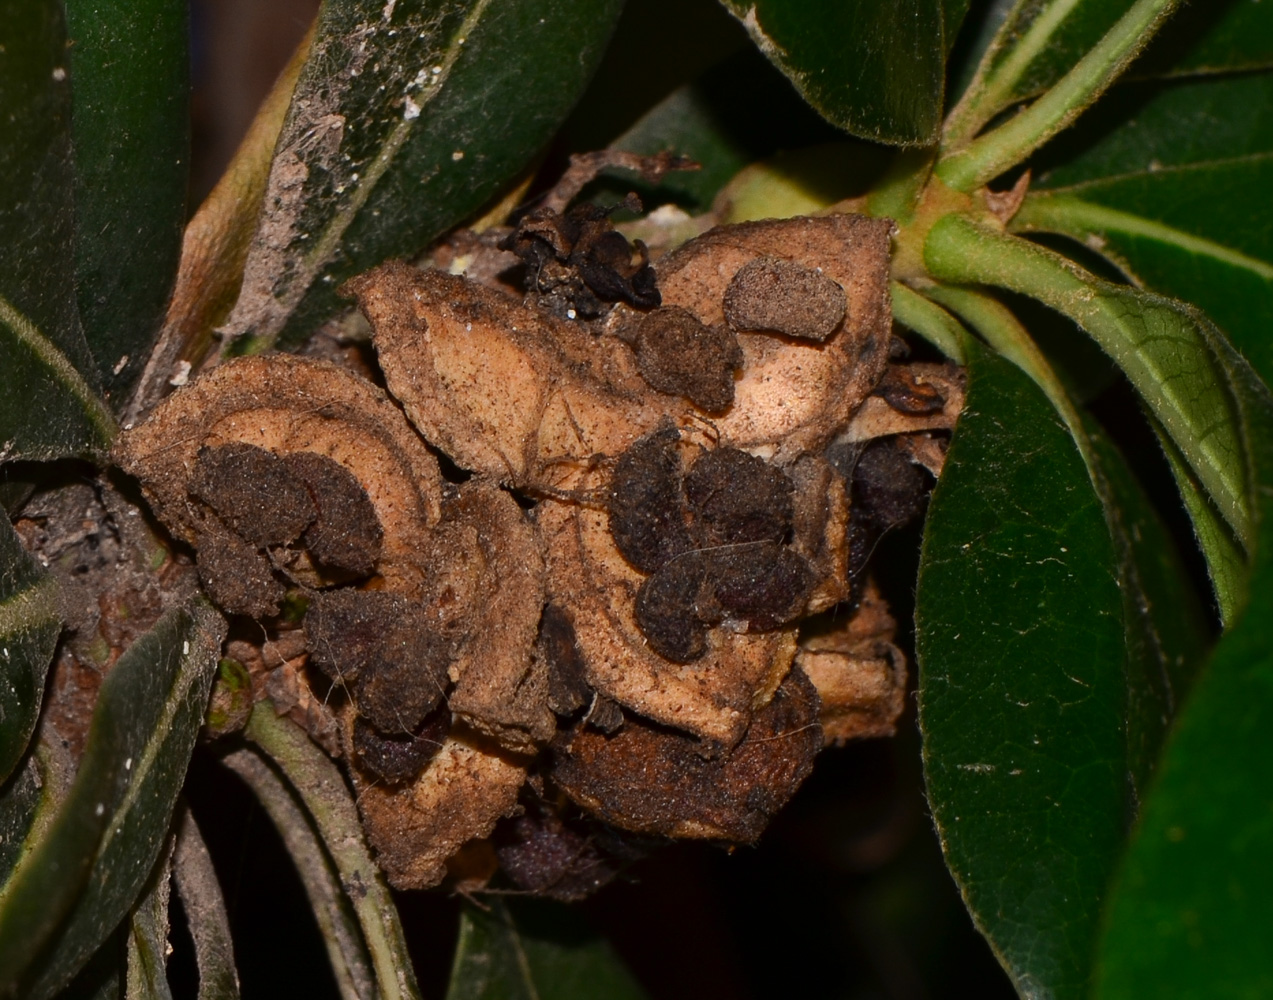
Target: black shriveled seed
647, 502
766, 584
736, 497
781, 296
236, 575
568, 691
396, 759
666, 610
679, 355
253, 492
406, 685
346, 533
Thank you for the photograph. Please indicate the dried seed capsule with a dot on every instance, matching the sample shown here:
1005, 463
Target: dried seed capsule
736, 497
395, 759
647, 502
773, 295
253, 492
346, 533
666, 610
678, 355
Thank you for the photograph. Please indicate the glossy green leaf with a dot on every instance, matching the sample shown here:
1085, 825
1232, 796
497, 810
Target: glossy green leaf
30, 623
204, 904
1022, 694
72, 888
737, 113
874, 68
1164, 183
1189, 913
322, 790
130, 127
408, 117
20, 797
534, 950
1213, 38
1162, 345
147, 975
1167, 633
49, 404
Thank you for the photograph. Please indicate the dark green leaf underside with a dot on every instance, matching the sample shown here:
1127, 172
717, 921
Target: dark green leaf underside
400, 127
1022, 688
873, 68
72, 889
131, 130
534, 950
1190, 912
48, 401
29, 627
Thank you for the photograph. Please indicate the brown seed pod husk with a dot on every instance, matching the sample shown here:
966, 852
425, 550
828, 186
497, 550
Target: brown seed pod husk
506, 391
649, 780
286, 404
858, 671
501, 689
793, 396
470, 783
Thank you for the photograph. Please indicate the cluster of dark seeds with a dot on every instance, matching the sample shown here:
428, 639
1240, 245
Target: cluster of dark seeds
260, 504
578, 264
714, 542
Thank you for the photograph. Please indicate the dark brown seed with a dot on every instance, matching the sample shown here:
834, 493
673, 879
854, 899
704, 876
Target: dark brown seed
766, 584
346, 533
772, 295
396, 759
888, 488
736, 497
666, 610
647, 502
680, 356
236, 575
253, 492
543, 855
346, 629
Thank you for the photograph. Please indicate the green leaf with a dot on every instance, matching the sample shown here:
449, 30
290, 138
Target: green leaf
1167, 632
71, 889
321, 787
49, 405
1163, 184
1163, 346
196, 882
408, 117
147, 976
130, 126
1038, 43
30, 623
738, 112
350, 964
1022, 694
533, 950
874, 68
1189, 913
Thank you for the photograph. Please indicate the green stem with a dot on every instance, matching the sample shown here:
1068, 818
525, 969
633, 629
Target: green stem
929, 320
1161, 345
992, 89
1004, 332
898, 191
985, 158
322, 789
